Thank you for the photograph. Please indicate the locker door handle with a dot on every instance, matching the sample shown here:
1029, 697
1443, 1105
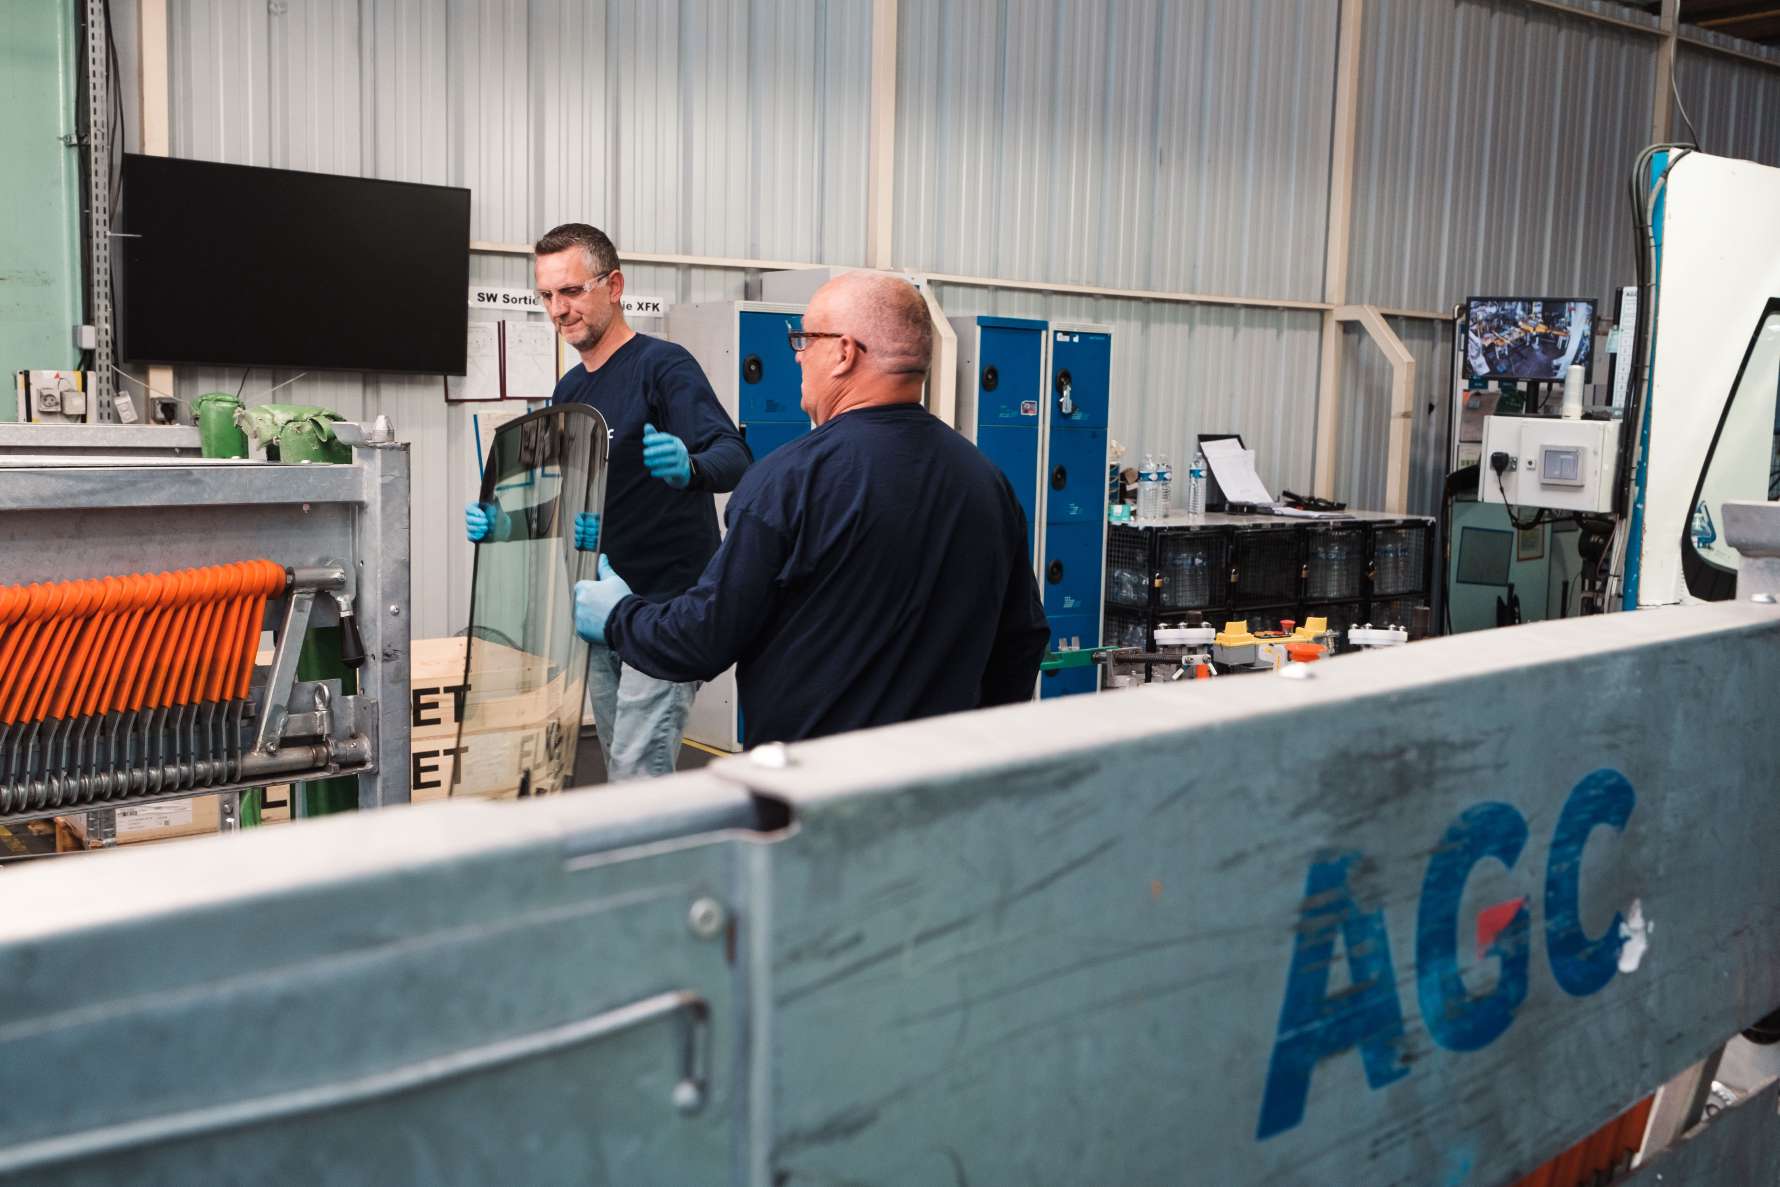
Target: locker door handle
1059, 478
1065, 393
752, 369
1054, 572
991, 379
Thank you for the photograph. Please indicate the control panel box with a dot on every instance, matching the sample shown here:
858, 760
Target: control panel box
1541, 462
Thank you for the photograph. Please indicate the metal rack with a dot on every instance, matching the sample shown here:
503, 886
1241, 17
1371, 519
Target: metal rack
1370, 568
85, 502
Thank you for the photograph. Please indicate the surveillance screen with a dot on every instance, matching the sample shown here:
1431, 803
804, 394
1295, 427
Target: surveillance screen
1527, 338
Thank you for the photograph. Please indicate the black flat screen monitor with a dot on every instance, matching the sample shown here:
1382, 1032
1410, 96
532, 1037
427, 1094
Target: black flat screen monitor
1532, 339
238, 266
1484, 556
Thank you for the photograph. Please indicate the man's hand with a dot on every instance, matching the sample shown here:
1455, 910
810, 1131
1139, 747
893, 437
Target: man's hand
594, 601
587, 531
666, 457
485, 521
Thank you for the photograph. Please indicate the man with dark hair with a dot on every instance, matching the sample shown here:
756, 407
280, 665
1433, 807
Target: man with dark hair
875, 570
672, 448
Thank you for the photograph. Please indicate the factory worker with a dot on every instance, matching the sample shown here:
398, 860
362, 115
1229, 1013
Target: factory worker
673, 447
874, 571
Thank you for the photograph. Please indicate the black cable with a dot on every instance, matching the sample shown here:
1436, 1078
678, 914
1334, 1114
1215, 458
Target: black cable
1676, 91
114, 139
243, 386
1541, 515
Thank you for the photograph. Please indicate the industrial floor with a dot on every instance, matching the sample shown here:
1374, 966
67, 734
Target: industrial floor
590, 765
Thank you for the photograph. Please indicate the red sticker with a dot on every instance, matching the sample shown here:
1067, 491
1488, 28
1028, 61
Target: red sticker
1493, 921
1028, 407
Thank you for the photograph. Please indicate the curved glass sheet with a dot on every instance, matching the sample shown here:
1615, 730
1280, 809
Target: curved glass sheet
1742, 465
525, 668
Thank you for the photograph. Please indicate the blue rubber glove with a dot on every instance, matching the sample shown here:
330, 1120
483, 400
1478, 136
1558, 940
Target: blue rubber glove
587, 531
594, 601
666, 457
484, 521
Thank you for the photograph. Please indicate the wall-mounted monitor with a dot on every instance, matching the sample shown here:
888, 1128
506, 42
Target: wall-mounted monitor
1528, 339
238, 266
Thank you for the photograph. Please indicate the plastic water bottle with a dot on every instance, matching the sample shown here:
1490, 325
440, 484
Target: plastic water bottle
1196, 485
1164, 485
1146, 488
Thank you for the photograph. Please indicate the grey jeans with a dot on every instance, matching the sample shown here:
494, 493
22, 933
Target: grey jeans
640, 719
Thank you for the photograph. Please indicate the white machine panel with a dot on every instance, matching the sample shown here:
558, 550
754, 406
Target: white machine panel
1563, 465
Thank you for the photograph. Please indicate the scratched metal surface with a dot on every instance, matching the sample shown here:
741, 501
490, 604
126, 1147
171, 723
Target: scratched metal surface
1739, 1148
142, 986
1052, 945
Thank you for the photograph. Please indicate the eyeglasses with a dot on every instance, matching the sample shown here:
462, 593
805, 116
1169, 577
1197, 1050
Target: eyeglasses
569, 292
800, 339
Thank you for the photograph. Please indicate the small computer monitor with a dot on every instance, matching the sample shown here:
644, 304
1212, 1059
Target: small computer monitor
1528, 339
1484, 556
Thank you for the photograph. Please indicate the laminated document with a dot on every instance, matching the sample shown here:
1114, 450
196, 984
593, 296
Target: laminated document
1234, 468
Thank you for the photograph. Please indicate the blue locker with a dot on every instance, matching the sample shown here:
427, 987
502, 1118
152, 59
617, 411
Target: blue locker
1081, 368
1008, 375
1001, 402
1010, 371
1072, 572
771, 386
1072, 577
1075, 472
1015, 452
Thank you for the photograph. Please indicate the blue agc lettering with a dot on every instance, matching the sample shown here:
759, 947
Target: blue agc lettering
1456, 1020
1581, 965
1315, 1024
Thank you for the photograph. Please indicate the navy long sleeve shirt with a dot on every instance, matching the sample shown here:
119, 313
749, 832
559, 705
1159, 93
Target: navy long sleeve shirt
874, 571
659, 538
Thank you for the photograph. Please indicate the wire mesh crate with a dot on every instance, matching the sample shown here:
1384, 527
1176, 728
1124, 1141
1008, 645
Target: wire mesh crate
1126, 628
1192, 569
1396, 612
1399, 559
1334, 562
1128, 572
1266, 564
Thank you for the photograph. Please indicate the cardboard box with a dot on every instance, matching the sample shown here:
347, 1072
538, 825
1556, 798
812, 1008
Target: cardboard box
190, 817
523, 709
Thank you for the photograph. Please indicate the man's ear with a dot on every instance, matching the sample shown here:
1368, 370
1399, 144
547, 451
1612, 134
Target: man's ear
847, 358
615, 286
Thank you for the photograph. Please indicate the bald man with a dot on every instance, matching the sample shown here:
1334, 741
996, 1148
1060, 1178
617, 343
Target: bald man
874, 571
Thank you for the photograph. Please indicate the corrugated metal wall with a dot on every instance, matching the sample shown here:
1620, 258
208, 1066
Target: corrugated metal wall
1494, 142
1146, 145
702, 127
1735, 105
1151, 144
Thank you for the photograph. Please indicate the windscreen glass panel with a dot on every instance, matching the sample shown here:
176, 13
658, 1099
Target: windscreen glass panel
1743, 464
525, 668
